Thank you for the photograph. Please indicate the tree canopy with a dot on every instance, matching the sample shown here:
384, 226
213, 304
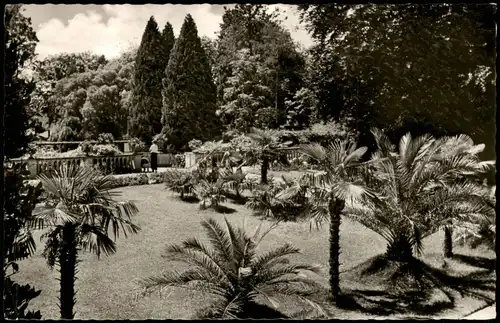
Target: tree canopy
19, 51
419, 68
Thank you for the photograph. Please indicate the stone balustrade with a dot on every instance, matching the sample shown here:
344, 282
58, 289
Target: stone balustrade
125, 163
108, 164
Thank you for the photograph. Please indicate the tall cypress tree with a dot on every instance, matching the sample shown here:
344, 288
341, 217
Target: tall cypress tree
168, 41
189, 93
145, 114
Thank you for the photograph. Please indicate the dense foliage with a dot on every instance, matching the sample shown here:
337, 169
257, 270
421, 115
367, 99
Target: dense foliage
419, 68
258, 71
150, 63
19, 49
189, 95
425, 184
19, 199
82, 102
18, 243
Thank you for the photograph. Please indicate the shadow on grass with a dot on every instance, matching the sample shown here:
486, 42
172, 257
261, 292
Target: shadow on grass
476, 261
189, 199
223, 209
241, 200
259, 311
251, 311
411, 288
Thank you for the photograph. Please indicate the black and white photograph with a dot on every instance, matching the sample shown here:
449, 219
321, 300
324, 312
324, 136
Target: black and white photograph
205, 161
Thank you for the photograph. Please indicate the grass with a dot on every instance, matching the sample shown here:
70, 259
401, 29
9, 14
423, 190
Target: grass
106, 288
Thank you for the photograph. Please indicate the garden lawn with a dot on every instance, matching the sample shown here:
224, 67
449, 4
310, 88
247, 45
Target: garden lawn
107, 287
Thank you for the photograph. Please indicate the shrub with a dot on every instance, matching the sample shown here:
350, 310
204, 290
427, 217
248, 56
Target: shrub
236, 181
105, 150
136, 145
180, 161
130, 180
194, 144
105, 138
181, 182
213, 192
86, 147
156, 178
267, 202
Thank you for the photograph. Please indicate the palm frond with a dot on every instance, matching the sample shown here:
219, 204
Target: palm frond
220, 240
22, 247
198, 259
192, 278
272, 256
384, 145
95, 240
314, 151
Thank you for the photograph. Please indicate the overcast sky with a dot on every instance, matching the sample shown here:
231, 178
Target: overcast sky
108, 29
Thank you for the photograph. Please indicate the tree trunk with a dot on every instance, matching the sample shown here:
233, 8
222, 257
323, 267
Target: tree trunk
448, 242
263, 169
67, 263
335, 207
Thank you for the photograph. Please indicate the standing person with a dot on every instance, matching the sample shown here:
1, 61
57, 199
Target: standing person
154, 157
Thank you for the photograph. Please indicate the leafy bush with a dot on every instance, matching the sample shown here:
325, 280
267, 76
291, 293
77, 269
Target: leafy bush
130, 180
136, 145
194, 144
322, 133
180, 161
236, 181
156, 178
181, 182
86, 147
105, 150
21, 197
242, 274
105, 138
213, 192
267, 200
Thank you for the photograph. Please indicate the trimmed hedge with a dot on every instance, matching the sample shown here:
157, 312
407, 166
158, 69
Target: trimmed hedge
128, 179
139, 179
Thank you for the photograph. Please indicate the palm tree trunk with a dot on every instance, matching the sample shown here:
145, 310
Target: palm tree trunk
263, 169
67, 263
335, 207
448, 242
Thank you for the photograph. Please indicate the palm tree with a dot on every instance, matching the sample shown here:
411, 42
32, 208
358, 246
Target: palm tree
482, 232
213, 192
419, 189
268, 144
234, 180
79, 210
181, 182
234, 274
457, 146
268, 201
329, 190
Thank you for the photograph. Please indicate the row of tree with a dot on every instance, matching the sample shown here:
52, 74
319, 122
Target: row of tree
418, 68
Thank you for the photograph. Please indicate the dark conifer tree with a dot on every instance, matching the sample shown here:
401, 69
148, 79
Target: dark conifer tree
168, 41
189, 93
145, 114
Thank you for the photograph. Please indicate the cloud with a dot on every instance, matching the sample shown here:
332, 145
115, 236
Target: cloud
123, 25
